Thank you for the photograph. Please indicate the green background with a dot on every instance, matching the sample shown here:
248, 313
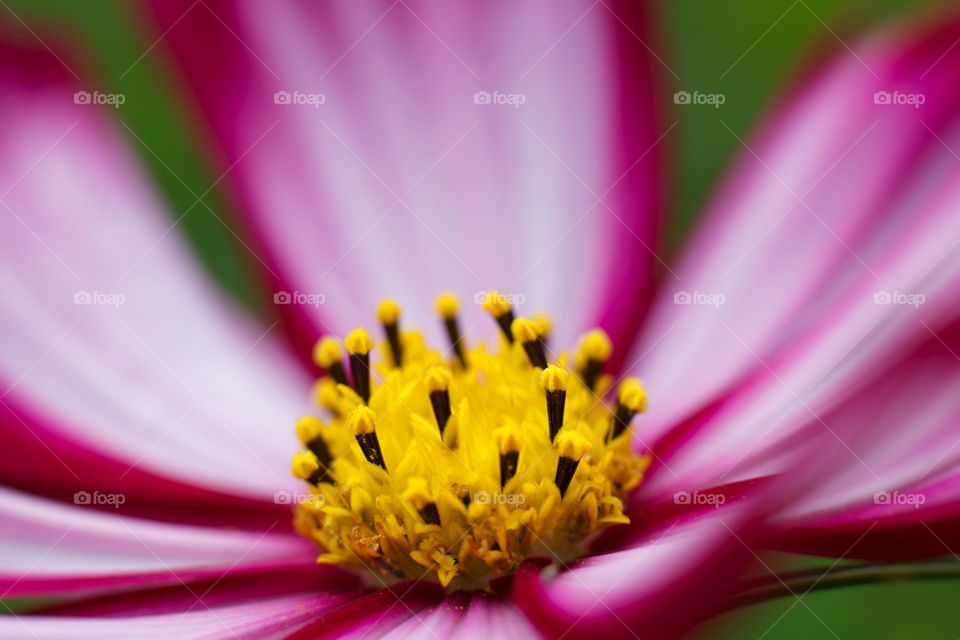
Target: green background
699, 40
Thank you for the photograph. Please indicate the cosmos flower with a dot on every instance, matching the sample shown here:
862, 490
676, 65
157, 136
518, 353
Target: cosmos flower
799, 357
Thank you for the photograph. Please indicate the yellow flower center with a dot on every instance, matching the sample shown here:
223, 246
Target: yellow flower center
456, 466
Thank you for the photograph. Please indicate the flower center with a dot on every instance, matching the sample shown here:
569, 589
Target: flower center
457, 466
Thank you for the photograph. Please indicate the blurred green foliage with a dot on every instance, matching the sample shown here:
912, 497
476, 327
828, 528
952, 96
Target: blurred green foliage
749, 50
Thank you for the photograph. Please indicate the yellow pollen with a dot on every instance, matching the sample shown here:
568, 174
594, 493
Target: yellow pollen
522, 465
507, 439
544, 324
595, 345
632, 395
438, 379
304, 463
447, 305
388, 312
308, 428
524, 330
363, 420
327, 352
573, 445
358, 341
496, 303
554, 378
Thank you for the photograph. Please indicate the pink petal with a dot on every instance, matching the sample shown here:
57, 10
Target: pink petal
800, 329
375, 614
52, 548
466, 615
658, 588
263, 620
166, 380
896, 477
492, 195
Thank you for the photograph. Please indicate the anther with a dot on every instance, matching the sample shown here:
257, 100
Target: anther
508, 444
544, 328
306, 467
498, 306
388, 313
553, 379
417, 494
525, 332
594, 350
447, 307
631, 400
309, 431
363, 423
571, 446
328, 396
358, 344
328, 355
437, 380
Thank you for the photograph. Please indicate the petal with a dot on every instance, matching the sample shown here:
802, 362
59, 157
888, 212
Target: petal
468, 615
114, 341
51, 548
842, 206
269, 619
893, 491
659, 588
401, 184
375, 614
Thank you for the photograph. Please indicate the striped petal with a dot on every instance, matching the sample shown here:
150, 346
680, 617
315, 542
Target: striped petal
115, 348
49, 548
832, 247
403, 148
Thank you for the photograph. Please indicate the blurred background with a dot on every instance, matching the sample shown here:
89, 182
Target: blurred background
748, 50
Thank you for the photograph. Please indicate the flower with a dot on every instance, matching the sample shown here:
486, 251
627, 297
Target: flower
799, 357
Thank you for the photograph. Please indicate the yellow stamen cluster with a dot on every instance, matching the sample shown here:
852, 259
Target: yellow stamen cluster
460, 503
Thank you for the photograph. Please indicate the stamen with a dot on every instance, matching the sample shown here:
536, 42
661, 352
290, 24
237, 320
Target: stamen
328, 355
554, 382
447, 307
418, 495
309, 430
594, 350
571, 446
525, 331
544, 327
328, 396
359, 343
632, 399
508, 444
438, 384
363, 423
306, 467
498, 306
457, 507
388, 313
